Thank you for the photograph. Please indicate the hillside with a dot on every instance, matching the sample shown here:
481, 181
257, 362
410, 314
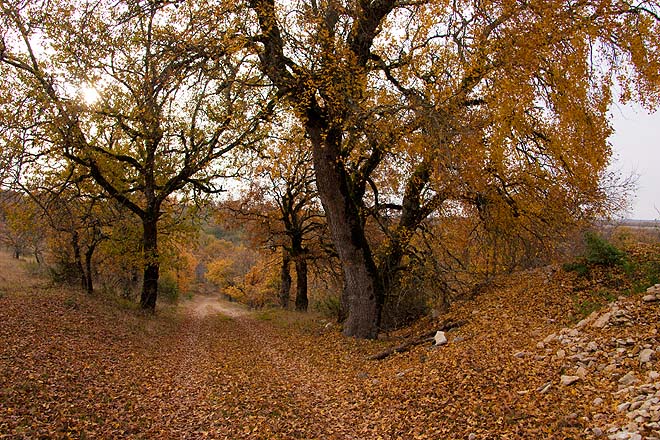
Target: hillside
73, 366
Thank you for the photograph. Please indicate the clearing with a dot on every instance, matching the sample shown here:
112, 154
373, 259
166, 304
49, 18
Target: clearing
73, 366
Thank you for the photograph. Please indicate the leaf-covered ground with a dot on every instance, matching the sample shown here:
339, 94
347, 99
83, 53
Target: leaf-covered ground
79, 367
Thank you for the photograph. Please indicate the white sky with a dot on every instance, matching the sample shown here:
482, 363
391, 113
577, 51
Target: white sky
636, 143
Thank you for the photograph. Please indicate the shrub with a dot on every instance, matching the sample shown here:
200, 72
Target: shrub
601, 252
329, 307
168, 288
598, 252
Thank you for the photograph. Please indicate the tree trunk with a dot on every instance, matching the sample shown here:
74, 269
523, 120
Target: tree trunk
77, 259
362, 283
151, 263
285, 288
301, 284
88, 269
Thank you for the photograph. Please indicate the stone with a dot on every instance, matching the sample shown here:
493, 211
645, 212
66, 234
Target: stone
628, 379
544, 388
569, 380
561, 354
550, 338
472, 436
653, 375
623, 407
440, 338
540, 345
597, 432
598, 401
646, 355
520, 354
649, 298
582, 372
602, 320
592, 346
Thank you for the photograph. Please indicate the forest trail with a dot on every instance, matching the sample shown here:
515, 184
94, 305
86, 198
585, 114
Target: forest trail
74, 366
201, 306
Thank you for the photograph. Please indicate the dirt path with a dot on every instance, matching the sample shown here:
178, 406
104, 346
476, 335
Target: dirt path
74, 366
201, 306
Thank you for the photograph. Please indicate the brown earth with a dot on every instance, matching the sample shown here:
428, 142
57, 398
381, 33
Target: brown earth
73, 366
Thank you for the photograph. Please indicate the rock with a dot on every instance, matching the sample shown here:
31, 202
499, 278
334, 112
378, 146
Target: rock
598, 401
649, 298
623, 407
646, 355
569, 380
520, 354
602, 320
653, 375
550, 338
472, 436
597, 432
581, 372
628, 379
540, 345
440, 338
544, 388
561, 354
592, 346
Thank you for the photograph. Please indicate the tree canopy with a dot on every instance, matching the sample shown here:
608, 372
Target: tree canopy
414, 112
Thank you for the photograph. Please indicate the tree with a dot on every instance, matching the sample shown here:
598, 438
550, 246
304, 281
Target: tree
21, 228
282, 199
480, 107
168, 91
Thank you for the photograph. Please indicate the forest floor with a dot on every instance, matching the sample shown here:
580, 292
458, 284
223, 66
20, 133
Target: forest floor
73, 366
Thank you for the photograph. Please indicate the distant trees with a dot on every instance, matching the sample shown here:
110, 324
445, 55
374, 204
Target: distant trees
281, 202
21, 226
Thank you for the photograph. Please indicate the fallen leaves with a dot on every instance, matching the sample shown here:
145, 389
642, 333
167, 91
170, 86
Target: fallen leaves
97, 371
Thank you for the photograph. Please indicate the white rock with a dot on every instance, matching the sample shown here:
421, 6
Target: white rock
623, 407
550, 338
561, 354
582, 372
628, 379
440, 338
653, 375
592, 346
646, 355
598, 401
602, 320
649, 298
569, 380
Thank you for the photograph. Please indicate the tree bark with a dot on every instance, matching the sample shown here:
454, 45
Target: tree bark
151, 263
362, 283
301, 284
88, 269
285, 276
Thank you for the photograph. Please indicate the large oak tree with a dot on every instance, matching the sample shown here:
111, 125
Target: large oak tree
474, 107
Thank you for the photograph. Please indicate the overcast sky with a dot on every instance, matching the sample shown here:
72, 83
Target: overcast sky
636, 143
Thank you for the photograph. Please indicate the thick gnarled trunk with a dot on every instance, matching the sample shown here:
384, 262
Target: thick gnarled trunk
285, 279
362, 283
151, 265
301, 284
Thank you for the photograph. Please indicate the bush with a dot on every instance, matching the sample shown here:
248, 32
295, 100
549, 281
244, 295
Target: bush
598, 252
329, 307
168, 288
601, 252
